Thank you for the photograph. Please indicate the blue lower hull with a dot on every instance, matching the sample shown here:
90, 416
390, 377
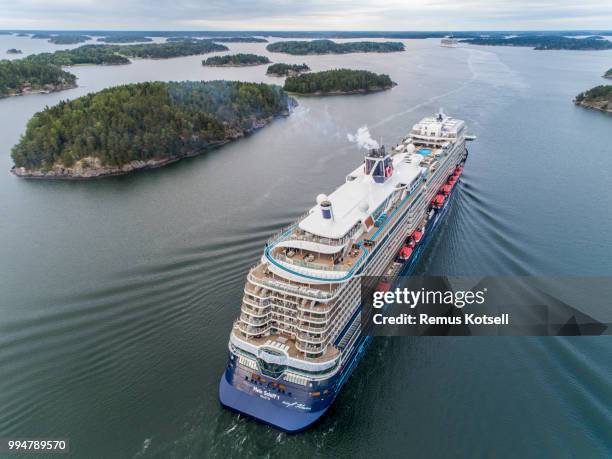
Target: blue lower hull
294, 409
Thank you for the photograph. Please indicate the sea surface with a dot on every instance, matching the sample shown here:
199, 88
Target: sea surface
117, 296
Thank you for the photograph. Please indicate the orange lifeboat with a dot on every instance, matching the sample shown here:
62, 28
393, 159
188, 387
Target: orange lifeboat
446, 189
405, 253
438, 200
417, 235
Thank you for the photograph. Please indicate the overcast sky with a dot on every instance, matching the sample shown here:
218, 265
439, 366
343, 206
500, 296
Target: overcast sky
306, 14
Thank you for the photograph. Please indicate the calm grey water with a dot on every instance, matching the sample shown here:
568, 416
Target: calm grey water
117, 296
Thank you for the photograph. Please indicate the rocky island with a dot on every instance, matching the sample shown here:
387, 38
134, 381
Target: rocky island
287, 69
20, 77
339, 81
235, 60
141, 126
545, 42
608, 74
300, 48
598, 98
13, 51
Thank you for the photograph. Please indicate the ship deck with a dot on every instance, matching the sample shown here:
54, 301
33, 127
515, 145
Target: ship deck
292, 350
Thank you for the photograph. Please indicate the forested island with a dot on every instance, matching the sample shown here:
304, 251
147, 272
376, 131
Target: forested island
140, 126
598, 98
287, 69
18, 77
87, 54
13, 51
235, 60
608, 74
118, 54
127, 38
544, 42
339, 81
300, 48
69, 39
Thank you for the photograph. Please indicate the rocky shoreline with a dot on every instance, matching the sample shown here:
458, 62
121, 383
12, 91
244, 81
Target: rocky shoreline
599, 105
83, 169
46, 89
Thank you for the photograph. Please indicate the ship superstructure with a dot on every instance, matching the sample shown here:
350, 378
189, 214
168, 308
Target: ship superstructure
298, 335
449, 42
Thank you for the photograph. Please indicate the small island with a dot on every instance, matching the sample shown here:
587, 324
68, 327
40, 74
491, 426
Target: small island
598, 98
19, 77
69, 39
287, 69
608, 74
339, 81
300, 48
235, 60
125, 38
545, 42
13, 51
141, 126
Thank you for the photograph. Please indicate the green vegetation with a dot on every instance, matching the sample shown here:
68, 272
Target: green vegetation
13, 51
287, 69
597, 98
69, 39
87, 54
145, 121
22, 76
127, 38
235, 60
541, 42
331, 47
167, 50
608, 74
117, 54
340, 81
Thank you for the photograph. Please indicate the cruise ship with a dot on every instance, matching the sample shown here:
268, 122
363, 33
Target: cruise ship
449, 42
298, 337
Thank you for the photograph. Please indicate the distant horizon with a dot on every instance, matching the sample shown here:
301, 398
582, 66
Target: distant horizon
307, 15
311, 31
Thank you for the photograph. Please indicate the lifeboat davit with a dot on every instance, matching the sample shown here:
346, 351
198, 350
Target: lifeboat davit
446, 189
417, 235
405, 253
438, 200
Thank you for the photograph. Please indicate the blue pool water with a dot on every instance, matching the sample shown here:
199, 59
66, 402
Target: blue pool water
424, 151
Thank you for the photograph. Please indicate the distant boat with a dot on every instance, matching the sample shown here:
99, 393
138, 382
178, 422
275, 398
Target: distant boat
449, 42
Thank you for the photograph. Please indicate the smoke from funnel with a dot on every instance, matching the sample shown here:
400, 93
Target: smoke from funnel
363, 138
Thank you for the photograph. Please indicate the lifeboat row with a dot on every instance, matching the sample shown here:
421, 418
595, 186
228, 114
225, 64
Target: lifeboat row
406, 251
446, 189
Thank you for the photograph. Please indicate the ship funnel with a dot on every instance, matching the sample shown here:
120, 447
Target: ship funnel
326, 209
326, 206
